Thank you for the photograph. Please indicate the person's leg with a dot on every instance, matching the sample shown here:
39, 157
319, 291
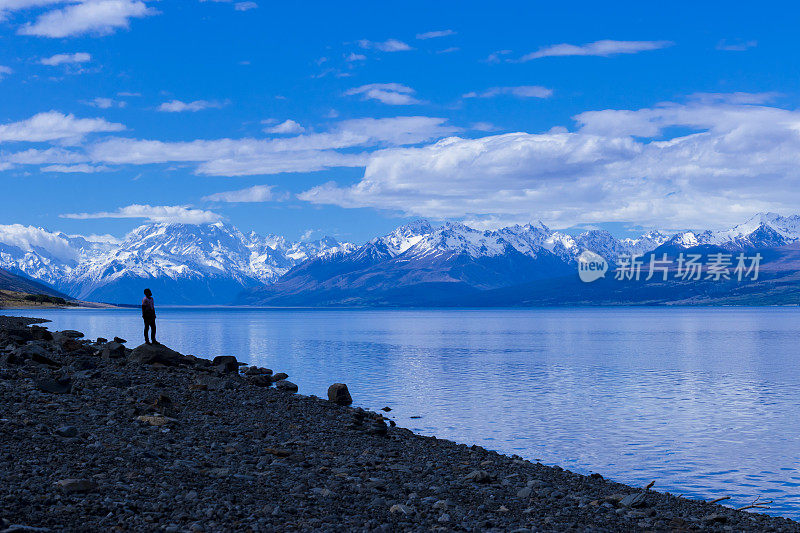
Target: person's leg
146, 328
153, 330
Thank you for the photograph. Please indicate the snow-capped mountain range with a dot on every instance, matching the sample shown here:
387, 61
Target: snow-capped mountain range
418, 264
213, 263
188, 263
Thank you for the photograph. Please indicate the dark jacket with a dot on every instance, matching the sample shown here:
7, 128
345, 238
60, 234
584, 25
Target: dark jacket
148, 308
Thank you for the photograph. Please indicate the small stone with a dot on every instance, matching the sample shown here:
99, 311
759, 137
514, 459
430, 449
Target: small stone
444, 518
524, 492
633, 500
120, 340
156, 420
479, 476
400, 508
715, 518
387, 408
67, 431
72, 485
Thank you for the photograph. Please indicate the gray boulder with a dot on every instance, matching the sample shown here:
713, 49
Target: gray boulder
112, 350
149, 354
226, 363
339, 394
286, 386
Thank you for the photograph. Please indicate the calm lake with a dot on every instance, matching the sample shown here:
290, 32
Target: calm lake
703, 400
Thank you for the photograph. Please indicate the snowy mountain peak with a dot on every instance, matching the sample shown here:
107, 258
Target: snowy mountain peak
212, 262
208, 257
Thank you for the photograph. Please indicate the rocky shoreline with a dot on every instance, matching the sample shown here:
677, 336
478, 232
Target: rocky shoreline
95, 436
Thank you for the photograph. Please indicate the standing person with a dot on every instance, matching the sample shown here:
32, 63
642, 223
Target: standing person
149, 316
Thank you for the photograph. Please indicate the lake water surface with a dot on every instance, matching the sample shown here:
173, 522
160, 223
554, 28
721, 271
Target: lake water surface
702, 400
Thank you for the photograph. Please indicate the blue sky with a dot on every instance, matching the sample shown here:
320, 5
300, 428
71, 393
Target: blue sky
328, 118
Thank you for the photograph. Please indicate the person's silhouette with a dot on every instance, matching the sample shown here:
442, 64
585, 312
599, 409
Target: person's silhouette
149, 316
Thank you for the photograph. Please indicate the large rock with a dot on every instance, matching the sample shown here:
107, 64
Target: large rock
338, 393
287, 386
112, 350
260, 380
226, 363
148, 354
35, 352
71, 345
41, 334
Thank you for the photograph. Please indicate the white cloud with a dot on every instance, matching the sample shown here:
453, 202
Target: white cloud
522, 91
154, 213
737, 46
484, 126
238, 6
735, 98
387, 93
94, 17
177, 106
390, 45
53, 126
496, 57
42, 157
729, 161
435, 34
61, 59
603, 48
77, 169
7, 6
30, 238
106, 103
355, 57
257, 193
286, 127
302, 153
4, 71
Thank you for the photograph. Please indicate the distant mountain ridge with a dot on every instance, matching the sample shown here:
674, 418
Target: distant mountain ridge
182, 263
416, 264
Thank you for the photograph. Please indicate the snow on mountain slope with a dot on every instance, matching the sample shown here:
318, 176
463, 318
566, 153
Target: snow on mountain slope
454, 238
36, 253
393, 244
764, 230
193, 263
209, 263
